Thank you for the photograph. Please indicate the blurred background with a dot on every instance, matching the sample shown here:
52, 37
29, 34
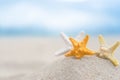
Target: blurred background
50, 17
29, 29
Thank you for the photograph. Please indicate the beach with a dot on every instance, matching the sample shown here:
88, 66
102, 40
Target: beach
21, 56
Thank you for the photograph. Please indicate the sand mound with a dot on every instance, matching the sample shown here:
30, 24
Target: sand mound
88, 68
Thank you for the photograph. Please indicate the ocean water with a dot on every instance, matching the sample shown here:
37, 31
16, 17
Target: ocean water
43, 31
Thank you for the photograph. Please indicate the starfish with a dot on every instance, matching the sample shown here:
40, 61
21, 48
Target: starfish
68, 43
79, 48
107, 53
80, 36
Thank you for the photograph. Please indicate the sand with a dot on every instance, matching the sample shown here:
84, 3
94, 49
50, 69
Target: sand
22, 55
33, 59
88, 68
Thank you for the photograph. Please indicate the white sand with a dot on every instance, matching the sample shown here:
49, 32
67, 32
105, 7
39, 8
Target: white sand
88, 68
19, 55
32, 59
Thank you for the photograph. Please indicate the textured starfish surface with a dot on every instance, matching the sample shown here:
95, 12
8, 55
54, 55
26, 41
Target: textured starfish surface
107, 52
79, 48
68, 43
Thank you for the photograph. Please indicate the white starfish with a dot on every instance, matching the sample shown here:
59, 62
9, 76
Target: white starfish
68, 43
107, 53
66, 39
80, 36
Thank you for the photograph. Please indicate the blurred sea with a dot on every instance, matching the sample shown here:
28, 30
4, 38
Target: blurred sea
41, 31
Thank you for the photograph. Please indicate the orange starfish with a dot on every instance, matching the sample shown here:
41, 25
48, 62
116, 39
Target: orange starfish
79, 48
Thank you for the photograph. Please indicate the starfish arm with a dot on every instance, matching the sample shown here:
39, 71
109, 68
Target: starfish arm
74, 42
89, 52
62, 51
114, 61
85, 40
101, 40
66, 39
68, 54
80, 36
113, 48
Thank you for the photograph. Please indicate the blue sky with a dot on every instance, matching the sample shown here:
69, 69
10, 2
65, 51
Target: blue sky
53, 16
